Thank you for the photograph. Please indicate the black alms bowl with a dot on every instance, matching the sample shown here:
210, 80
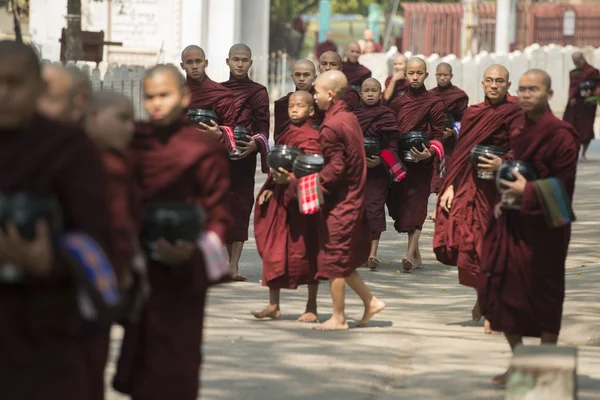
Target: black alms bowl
173, 222
416, 139
507, 172
372, 146
588, 85
449, 120
205, 116
26, 209
306, 164
480, 150
282, 156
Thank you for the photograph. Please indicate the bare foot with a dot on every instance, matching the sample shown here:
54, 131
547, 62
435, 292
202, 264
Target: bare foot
500, 380
407, 265
271, 311
332, 325
374, 263
240, 278
309, 317
476, 313
376, 306
418, 261
487, 328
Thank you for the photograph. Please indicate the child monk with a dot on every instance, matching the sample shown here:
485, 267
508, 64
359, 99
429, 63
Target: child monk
378, 121
286, 239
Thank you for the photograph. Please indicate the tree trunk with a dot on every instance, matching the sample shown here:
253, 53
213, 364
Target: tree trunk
74, 44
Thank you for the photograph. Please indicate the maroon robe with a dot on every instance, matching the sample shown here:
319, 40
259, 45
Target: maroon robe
400, 87
356, 73
161, 355
379, 122
252, 112
417, 110
210, 95
458, 235
456, 102
582, 114
286, 240
523, 259
47, 350
324, 47
344, 232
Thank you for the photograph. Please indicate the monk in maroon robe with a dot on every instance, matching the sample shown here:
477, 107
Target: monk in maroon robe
251, 112
579, 112
355, 73
331, 60
286, 240
396, 84
417, 110
466, 201
524, 253
456, 102
47, 349
303, 75
161, 355
344, 234
327, 45
378, 121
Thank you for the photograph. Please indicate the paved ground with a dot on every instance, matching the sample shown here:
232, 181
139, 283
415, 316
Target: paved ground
423, 346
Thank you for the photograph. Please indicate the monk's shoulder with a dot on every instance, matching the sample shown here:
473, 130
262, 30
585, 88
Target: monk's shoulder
62, 139
222, 90
209, 147
115, 164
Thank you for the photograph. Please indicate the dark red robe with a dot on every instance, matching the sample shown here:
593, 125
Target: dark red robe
286, 240
210, 95
344, 232
324, 47
417, 110
523, 259
161, 355
456, 102
356, 73
458, 236
400, 87
47, 351
252, 112
379, 122
582, 114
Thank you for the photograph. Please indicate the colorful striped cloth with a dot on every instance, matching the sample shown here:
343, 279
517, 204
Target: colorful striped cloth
394, 166
555, 202
309, 194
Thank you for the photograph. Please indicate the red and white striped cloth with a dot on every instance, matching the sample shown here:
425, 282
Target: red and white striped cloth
309, 194
216, 260
395, 167
438, 147
228, 138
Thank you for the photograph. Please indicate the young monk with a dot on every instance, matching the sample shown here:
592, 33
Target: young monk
524, 250
286, 240
378, 121
252, 112
355, 73
579, 112
82, 92
161, 355
48, 352
206, 93
456, 102
396, 84
303, 75
344, 233
57, 101
465, 205
417, 110
330, 60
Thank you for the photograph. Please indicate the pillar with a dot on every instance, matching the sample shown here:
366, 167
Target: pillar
324, 18
503, 30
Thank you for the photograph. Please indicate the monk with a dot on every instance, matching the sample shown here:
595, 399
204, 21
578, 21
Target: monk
251, 112
456, 102
355, 73
48, 350
579, 112
465, 205
82, 92
417, 110
327, 45
161, 354
303, 75
206, 93
344, 232
58, 99
396, 84
330, 60
524, 254
378, 121
286, 240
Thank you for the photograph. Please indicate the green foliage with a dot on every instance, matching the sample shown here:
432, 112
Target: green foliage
593, 99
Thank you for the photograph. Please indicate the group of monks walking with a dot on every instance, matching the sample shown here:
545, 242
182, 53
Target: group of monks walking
84, 150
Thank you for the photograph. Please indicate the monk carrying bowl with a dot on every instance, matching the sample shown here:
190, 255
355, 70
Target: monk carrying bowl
481, 150
416, 139
372, 146
282, 156
506, 172
199, 115
306, 164
240, 134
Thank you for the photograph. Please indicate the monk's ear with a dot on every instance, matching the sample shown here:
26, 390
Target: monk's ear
251, 62
205, 63
508, 86
550, 94
426, 75
186, 96
311, 111
181, 65
227, 61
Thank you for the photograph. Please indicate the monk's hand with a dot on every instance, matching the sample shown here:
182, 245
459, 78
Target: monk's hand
265, 197
398, 76
489, 162
174, 254
449, 132
373, 161
281, 177
498, 210
447, 198
247, 148
516, 188
573, 101
426, 154
212, 129
35, 256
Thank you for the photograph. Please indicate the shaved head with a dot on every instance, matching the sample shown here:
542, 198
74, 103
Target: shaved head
82, 91
497, 68
103, 100
334, 81
300, 107
443, 75
416, 73
57, 101
535, 93
304, 74
10, 48
370, 82
400, 57
542, 75
578, 59
165, 69
496, 82
306, 63
109, 120
240, 48
416, 62
442, 66
192, 47
370, 92
302, 95
330, 60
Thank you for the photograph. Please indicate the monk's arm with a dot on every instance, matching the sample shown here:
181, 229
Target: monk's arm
309, 146
389, 90
262, 114
461, 107
436, 129
352, 99
334, 172
225, 109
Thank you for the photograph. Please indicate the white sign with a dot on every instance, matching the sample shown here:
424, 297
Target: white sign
135, 23
569, 23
